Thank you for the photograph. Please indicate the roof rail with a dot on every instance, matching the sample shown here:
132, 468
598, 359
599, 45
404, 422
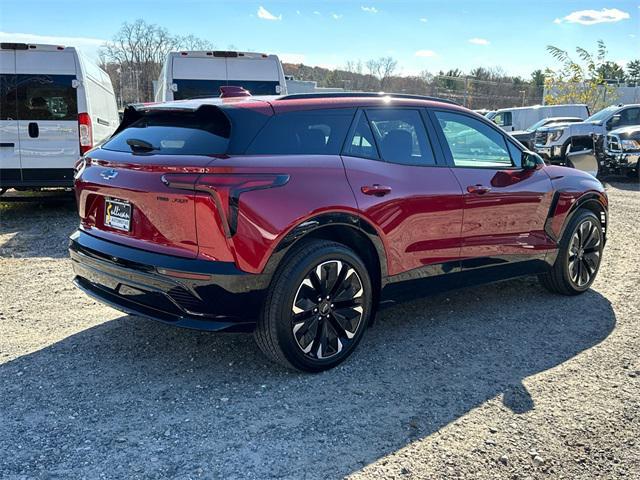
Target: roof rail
297, 96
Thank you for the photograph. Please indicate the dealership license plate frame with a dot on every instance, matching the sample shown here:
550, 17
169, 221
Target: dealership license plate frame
120, 217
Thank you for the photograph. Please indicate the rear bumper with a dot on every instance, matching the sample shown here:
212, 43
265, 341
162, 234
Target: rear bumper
191, 293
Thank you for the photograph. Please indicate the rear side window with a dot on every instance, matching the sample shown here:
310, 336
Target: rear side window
204, 132
361, 143
401, 136
312, 132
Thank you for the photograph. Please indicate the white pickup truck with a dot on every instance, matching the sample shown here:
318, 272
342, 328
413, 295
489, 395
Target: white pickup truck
559, 143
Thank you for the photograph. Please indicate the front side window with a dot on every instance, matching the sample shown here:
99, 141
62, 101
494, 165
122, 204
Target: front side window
472, 143
46, 97
311, 132
401, 136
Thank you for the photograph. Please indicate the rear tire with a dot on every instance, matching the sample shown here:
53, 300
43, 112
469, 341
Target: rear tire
579, 256
317, 307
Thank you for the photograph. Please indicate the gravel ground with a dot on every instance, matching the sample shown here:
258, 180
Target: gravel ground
501, 381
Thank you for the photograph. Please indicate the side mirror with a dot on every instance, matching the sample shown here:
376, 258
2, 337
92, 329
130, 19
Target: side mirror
531, 161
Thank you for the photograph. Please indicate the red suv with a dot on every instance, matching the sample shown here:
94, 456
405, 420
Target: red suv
294, 217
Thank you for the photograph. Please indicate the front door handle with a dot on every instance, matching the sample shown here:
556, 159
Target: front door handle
376, 189
479, 189
34, 131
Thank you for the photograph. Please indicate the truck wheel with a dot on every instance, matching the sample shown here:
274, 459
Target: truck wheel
579, 256
317, 307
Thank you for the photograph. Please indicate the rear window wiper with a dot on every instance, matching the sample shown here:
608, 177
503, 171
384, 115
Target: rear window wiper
138, 145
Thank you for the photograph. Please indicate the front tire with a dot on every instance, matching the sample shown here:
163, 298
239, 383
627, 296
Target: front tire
579, 256
317, 307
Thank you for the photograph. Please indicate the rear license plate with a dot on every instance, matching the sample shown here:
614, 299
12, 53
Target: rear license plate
117, 214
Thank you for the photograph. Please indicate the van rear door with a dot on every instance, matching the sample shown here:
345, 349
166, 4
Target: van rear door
198, 76
47, 102
10, 174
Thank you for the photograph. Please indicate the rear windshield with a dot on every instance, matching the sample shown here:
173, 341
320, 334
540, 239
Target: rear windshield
312, 132
205, 132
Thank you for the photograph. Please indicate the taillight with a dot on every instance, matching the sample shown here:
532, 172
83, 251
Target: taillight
226, 190
85, 133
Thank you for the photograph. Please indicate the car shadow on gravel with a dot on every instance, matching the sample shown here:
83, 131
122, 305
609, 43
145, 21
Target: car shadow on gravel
37, 229
134, 398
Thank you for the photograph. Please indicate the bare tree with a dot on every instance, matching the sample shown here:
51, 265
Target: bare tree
388, 66
134, 57
191, 42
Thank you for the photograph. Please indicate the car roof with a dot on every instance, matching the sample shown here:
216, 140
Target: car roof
303, 102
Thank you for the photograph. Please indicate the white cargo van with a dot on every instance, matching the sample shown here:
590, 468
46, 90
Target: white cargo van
201, 74
54, 106
521, 118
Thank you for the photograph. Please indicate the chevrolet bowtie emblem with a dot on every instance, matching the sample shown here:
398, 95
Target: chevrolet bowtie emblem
109, 174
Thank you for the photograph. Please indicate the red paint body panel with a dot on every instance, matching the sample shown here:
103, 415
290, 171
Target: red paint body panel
162, 219
420, 219
572, 186
509, 218
317, 184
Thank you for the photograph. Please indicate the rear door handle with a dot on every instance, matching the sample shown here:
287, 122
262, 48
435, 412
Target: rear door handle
7, 144
34, 131
479, 189
376, 189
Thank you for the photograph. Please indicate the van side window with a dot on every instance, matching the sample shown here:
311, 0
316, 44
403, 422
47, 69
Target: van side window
8, 97
473, 143
46, 97
362, 143
312, 132
401, 136
503, 119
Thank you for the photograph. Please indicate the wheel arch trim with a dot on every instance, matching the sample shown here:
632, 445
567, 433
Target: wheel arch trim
588, 198
327, 220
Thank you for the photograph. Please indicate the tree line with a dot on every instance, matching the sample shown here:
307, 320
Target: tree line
133, 58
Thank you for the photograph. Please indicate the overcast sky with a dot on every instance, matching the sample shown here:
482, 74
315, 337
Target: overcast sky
420, 35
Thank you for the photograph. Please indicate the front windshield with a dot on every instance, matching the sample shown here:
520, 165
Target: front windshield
601, 115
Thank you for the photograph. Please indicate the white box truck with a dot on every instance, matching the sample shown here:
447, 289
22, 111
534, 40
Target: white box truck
55, 105
521, 118
200, 74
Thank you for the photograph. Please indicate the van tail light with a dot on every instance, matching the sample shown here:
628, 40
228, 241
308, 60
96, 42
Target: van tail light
225, 189
85, 133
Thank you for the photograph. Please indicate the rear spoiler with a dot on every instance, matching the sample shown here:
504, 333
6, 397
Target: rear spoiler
136, 111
